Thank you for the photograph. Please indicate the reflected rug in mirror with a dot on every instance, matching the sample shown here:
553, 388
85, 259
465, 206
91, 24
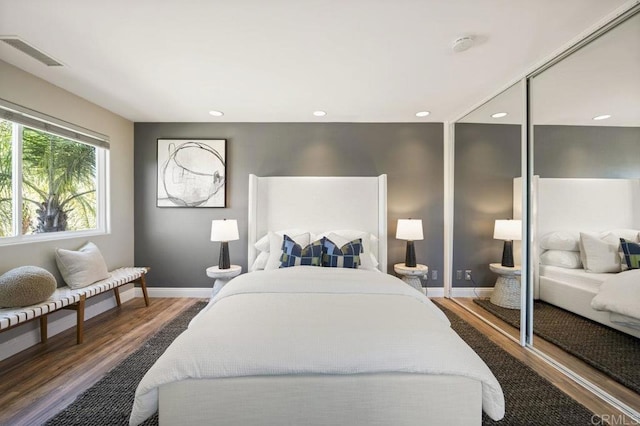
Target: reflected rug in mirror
529, 398
610, 351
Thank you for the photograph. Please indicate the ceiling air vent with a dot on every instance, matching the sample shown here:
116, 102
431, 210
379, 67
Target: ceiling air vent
27, 49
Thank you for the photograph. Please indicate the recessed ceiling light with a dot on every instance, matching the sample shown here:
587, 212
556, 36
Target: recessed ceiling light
216, 113
602, 117
319, 113
422, 113
499, 115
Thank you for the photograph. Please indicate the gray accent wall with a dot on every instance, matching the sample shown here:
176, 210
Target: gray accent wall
586, 152
174, 242
487, 158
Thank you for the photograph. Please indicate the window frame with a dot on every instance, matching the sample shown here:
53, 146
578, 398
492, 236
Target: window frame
9, 111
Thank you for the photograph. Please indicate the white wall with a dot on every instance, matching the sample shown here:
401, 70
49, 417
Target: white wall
29, 91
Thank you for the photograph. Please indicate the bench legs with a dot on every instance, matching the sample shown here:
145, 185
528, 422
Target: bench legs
143, 285
116, 291
79, 308
43, 329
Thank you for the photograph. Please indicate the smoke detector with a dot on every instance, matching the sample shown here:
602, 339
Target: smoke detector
462, 44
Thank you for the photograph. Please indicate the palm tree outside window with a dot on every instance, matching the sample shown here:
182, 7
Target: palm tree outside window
58, 181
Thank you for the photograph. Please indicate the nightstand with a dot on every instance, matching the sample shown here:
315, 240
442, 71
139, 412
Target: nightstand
506, 292
222, 276
411, 275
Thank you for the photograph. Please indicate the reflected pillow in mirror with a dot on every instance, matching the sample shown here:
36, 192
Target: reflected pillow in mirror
600, 254
561, 258
561, 240
631, 252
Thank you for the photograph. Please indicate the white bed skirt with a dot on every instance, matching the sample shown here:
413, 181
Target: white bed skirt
365, 399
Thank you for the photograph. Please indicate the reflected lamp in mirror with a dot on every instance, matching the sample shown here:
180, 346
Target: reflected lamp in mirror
224, 231
409, 230
508, 230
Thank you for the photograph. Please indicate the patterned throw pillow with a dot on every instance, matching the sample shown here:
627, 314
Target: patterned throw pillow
294, 254
347, 256
631, 252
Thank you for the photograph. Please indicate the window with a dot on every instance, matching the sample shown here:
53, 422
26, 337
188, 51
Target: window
52, 178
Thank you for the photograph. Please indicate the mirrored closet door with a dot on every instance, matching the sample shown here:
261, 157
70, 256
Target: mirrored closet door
585, 129
487, 156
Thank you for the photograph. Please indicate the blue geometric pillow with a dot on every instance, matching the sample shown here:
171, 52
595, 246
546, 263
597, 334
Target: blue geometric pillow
347, 256
631, 252
295, 255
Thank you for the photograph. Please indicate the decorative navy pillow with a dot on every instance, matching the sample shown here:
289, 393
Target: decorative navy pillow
293, 254
631, 252
347, 256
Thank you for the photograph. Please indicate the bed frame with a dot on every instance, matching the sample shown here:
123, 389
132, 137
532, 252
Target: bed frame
321, 204
587, 205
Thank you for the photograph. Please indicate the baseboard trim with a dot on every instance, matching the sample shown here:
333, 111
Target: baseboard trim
193, 292
472, 292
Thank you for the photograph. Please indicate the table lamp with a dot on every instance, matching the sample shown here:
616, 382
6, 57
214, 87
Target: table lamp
507, 230
410, 230
224, 231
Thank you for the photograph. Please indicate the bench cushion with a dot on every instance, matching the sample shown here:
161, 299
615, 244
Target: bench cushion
25, 286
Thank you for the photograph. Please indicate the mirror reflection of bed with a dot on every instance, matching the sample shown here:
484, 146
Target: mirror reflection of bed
586, 298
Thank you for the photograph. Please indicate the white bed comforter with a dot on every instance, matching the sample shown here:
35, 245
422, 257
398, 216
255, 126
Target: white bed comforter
309, 320
620, 294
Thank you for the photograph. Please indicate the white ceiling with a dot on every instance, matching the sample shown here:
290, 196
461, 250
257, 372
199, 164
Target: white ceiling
359, 60
601, 78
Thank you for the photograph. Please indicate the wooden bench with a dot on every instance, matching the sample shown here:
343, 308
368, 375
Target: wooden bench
66, 298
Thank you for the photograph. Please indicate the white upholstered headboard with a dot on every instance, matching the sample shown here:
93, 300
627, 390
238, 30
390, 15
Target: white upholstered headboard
318, 204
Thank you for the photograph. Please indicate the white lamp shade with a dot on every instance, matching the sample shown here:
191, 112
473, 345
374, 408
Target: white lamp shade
224, 230
409, 229
508, 230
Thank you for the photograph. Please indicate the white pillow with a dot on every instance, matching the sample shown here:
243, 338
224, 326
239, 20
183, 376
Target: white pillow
263, 243
561, 258
82, 267
368, 261
260, 262
561, 240
628, 234
275, 247
600, 254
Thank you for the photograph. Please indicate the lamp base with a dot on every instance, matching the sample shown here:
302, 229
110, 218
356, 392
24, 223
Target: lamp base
224, 262
410, 257
507, 254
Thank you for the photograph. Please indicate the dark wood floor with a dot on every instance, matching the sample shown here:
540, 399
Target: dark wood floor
40, 381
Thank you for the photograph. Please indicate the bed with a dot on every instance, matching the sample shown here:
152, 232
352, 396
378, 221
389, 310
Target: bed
566, 211
319, 345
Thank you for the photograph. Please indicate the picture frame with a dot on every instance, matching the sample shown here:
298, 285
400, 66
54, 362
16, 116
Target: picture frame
191, 173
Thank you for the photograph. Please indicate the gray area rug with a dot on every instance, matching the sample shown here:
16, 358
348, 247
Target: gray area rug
530, 400
610, 351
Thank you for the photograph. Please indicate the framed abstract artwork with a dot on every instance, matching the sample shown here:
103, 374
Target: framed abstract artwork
192, 173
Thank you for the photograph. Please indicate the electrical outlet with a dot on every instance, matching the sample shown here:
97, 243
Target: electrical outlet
459, 274
434, 275
467, 275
